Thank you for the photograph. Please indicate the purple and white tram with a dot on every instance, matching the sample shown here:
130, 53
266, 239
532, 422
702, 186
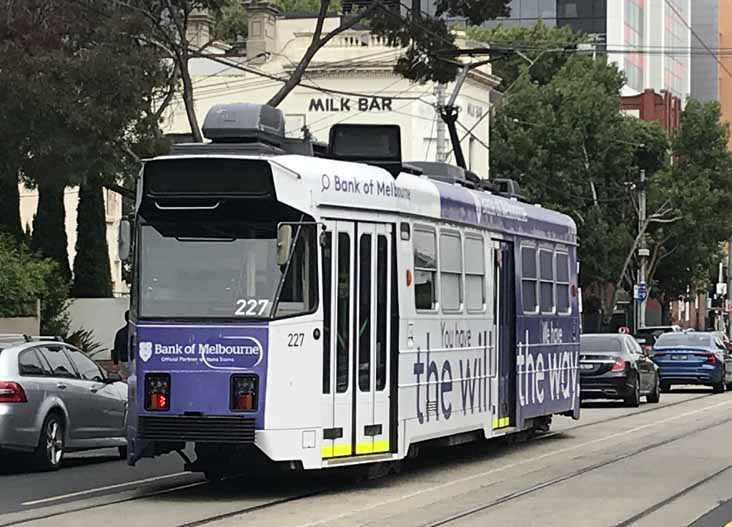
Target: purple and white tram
338, 308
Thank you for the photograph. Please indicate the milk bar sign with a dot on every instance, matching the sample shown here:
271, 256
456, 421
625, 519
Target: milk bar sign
346, 104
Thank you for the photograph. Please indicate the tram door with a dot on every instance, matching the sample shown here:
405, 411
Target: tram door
356, 358
505, 302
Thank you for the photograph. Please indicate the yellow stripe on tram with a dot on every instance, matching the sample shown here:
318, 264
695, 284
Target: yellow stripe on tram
328, 451
368, 447
501, 422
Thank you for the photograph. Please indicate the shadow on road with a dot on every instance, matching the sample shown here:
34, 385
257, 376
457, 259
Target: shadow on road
431, 463
19, 463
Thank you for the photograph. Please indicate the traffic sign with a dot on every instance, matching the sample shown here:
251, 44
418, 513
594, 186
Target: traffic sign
640, 292
728, 306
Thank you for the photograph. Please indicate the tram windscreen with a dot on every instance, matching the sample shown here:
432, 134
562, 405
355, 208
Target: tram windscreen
224, 270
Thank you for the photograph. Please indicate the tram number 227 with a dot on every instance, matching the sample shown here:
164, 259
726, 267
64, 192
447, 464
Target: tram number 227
295, 340
250, 308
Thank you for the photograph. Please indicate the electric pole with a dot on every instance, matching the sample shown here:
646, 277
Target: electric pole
643, 252
440, 152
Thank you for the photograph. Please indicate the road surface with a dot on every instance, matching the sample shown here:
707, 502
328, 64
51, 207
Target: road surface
658, 465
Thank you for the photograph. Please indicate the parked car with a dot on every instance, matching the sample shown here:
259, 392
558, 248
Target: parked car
693, 358
647, 336
54, 399
613, 366
724, 338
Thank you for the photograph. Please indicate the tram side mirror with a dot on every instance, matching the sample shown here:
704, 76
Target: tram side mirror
125, 239
284, 241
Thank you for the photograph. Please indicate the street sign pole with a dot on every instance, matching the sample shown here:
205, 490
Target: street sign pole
643, 250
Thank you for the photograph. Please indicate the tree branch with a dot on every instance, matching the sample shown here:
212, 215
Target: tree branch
165, 102
316, 43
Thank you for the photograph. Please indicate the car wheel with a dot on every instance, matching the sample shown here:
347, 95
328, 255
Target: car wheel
634, 399
50, 450
719, 387
122, 452
655, 395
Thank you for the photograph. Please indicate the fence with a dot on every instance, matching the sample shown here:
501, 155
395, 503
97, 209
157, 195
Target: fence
103, 316
28, 324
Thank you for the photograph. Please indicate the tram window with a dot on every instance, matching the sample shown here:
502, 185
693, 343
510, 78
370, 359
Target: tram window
529, 279
451, 271
562, 266
327, 293
364, 314
343, 306
381, 309
546, 284
474, 274
425, 269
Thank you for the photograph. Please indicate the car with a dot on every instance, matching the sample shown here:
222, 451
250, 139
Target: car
613, 366
697, 358
647, 335
724, 338
54, 399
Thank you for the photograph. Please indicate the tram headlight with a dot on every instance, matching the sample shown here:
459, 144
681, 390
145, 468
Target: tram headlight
243, 393
157, 391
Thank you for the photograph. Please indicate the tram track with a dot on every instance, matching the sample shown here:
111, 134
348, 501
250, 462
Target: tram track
506, 498
653, 408
300, 496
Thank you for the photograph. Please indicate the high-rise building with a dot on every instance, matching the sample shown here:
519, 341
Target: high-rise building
648, 39
705, 70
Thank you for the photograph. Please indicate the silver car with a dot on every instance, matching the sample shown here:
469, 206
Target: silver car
54, 399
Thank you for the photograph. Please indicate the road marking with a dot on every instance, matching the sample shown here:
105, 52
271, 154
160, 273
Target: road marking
512, 465
102, 489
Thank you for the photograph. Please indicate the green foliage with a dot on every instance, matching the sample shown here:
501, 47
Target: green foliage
572, 149
26, 278
85, 340
699, 187
308, 7
230, 23
542, 44
49, 224
92, 275
77, 93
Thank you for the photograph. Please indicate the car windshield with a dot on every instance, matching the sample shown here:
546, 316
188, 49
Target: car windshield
679, 340
224, 270
608, 344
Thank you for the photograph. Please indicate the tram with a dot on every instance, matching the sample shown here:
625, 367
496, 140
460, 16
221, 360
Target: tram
319, 306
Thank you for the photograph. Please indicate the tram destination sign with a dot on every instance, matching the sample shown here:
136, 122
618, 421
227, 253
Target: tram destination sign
350, 104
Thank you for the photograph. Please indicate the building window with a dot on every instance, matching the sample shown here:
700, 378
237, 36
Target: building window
474, 274
425, 268
529, 279
451, 271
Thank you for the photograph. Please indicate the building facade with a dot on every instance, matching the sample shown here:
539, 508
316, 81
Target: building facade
647, 39
350, 80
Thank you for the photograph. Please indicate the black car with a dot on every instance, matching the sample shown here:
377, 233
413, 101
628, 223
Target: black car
613, 366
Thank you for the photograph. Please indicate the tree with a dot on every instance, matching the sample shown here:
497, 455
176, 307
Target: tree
426, 38
699, 187
83, 89
27, 278
573, 150
547, 48
92, 275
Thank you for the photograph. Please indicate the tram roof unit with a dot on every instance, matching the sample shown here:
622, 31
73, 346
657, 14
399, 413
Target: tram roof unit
377, 181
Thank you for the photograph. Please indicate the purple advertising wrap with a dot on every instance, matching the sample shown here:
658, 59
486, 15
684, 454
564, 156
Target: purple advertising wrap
201, 360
